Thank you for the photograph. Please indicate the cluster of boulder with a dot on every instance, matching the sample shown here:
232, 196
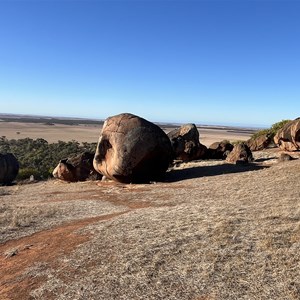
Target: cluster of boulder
132, 149
286, 138
187, 147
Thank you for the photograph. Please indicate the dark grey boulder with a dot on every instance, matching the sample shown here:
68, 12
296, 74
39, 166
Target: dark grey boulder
9, 168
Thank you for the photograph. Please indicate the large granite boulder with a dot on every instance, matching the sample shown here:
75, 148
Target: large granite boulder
77, 168
259, 143
9, 168
219, 150
132, 149
185, 143
241, 153
288, 137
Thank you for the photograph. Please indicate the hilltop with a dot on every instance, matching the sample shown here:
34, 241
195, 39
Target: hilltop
210, 231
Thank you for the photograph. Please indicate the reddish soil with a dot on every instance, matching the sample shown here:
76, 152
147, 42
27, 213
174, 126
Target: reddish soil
42, 247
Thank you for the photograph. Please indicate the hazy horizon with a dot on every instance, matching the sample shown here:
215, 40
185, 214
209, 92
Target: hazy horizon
249, 126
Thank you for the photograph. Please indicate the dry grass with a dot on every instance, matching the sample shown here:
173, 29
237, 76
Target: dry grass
211, 231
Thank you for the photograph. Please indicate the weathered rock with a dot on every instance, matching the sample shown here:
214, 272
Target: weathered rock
259, 143
9, 168
219, 150
132, 149
185, 143
78, 168
288, 137
240, 154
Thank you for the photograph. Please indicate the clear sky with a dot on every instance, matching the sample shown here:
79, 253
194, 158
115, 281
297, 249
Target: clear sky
208, 62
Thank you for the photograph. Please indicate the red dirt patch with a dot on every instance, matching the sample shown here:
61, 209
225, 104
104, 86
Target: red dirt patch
45, 246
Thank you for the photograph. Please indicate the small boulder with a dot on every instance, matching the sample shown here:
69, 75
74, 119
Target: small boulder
185, 143
240, 154
219, 150
77, 168
132, 149
288, 137
259, 143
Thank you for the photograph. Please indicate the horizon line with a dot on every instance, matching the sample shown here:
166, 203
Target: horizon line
179, 123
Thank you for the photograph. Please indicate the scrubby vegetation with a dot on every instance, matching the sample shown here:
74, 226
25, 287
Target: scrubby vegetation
38, 157
270, 132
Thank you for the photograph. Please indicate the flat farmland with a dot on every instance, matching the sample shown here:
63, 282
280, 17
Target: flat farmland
90, 132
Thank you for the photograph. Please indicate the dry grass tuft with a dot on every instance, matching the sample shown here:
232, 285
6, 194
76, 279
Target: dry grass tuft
224, 235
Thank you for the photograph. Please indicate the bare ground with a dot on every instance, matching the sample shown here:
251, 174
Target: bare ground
210, 231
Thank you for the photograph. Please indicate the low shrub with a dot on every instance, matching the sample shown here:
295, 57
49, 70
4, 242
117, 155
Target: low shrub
271, 131
25, 173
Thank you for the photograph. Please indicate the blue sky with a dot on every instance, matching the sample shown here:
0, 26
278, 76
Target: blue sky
208, 62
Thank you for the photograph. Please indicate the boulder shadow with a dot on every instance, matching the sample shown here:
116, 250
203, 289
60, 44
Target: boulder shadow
206, 171
265, 159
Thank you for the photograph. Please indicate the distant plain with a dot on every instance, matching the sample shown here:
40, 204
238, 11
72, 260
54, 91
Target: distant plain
88, 131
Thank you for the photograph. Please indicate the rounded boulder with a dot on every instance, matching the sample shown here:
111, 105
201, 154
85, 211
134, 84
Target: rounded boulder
132, 149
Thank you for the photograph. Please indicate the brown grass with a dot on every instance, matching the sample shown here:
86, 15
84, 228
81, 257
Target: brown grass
211, 231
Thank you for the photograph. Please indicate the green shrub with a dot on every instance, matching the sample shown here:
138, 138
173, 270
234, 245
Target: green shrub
271, 131
25, 173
